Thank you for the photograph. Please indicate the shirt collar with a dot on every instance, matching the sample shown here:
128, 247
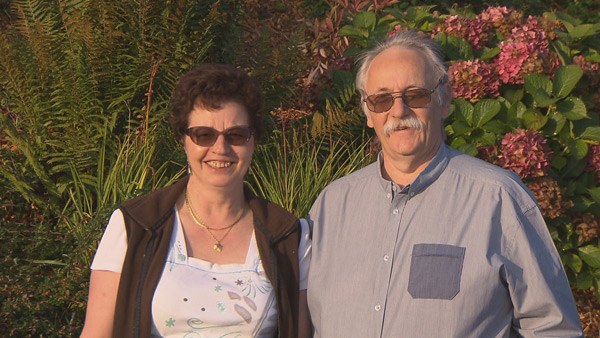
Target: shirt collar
432, 171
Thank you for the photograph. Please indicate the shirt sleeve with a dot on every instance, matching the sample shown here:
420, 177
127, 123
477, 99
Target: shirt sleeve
113, 245
304, 253
542, 299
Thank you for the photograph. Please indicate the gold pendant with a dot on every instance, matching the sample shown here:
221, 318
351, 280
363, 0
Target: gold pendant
218, 247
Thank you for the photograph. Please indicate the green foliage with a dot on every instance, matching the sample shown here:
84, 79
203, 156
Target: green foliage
84, 92
292, 173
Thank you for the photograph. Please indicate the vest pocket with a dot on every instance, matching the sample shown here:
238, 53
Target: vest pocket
435, 271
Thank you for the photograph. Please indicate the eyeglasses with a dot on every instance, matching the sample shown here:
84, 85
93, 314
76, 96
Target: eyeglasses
207, 136
413, 97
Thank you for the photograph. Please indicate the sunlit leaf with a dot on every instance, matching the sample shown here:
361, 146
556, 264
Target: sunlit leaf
574, 262
591, 255
565, 79
572, 108
484, 111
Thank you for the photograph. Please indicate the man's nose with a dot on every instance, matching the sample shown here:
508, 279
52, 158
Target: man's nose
399, 109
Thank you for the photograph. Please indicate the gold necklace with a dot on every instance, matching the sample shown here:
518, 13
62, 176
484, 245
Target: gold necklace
218, 246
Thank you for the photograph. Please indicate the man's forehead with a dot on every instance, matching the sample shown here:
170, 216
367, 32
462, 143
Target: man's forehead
397, 69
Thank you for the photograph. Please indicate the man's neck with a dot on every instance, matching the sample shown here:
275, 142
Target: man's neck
403, 170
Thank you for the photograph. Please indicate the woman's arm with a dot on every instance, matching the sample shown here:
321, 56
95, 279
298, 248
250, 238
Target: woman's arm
101, 304
304, 325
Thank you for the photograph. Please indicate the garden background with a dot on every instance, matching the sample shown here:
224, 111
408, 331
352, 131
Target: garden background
85, 85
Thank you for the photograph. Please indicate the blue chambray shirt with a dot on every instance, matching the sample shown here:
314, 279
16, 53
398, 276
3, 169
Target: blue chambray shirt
462, 251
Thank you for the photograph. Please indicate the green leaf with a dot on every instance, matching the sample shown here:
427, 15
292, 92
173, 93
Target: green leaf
496, 126
461, 127
565, 79
516, 111
574, 262
592, 55
513, 95
591, 133
591, 255
534, 82
533, 119
572, 108
595, 193
365, 20
584, 280
489, 53
457, 142
350, 30
488, 139
463, 110
342, 79
484, 111
578, 148
555, 124
458, 49
469, 149
558, 162
583, 31
542, 99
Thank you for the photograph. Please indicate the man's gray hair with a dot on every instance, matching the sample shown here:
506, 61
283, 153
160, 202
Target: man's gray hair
411, 40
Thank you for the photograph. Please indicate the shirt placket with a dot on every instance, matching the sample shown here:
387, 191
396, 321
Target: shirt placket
397, 200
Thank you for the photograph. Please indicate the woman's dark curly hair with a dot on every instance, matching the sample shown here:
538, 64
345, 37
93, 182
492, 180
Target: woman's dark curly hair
210, 86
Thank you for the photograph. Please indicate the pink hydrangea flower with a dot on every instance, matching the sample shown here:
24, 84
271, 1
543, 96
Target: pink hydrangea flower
499, 18
530, 31
585, 65
525, 51
593, 161
469, 29
473, 80
509, 63
525, 152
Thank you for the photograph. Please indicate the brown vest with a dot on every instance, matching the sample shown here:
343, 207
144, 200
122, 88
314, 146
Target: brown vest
149, 222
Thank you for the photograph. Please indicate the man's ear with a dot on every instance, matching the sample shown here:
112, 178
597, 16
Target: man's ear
365, 110
447, 100
369, 122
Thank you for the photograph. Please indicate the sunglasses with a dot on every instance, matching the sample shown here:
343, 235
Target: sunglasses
414, 98
207, 136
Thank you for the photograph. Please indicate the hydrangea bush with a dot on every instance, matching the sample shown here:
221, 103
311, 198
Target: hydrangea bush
526, 99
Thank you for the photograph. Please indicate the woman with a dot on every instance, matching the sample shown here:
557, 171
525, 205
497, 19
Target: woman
204, 257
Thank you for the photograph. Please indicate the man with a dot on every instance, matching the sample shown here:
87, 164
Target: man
427, 241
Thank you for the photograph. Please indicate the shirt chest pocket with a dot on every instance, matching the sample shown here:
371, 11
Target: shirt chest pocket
435, 271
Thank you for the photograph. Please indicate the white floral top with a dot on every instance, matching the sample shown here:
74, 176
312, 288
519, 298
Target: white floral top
197, 299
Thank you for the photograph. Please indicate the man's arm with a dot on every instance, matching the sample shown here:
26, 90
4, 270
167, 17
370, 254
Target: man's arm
540, 292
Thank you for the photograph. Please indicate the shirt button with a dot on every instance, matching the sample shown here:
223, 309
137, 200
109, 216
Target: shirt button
386, 258
389, 195
396, 211
377, 307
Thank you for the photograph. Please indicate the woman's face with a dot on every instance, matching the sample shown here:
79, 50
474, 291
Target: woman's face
221, 165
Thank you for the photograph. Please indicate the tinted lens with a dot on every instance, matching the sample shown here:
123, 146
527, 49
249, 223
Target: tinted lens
237, 135
203, 136
380, 103
414, 98
207, 136
417, 98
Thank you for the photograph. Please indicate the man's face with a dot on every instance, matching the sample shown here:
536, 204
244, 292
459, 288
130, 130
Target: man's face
407, 144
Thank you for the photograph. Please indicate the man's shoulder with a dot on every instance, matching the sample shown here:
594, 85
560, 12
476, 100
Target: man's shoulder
365, 175
469, 166
484, 173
